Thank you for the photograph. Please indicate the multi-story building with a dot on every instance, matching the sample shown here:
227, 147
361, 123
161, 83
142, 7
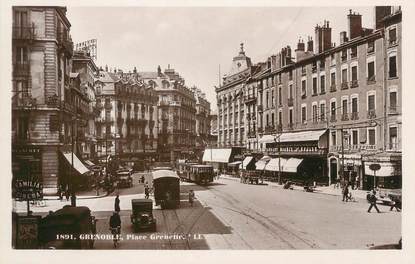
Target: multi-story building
335, 109
83, 64
231, 109
202, 122
126, 125
176, 114
45, 100
213, 133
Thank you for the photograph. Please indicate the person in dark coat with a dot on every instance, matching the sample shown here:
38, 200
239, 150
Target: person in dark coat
345, 192
117, 204
372, 201
147, 191
396, 203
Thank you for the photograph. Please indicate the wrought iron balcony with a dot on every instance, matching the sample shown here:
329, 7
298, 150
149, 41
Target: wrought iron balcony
345, 117
333, 88
24, 102
393, 110
371, 114
24, 32
355, 116
354, 84
21, 69
333, 118
371, 80
344, 86
290, 101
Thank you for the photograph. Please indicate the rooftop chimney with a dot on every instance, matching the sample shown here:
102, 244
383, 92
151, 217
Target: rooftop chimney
318, 38
310, 47
326, 36
300, 45
343, 37
380, 13
354, 24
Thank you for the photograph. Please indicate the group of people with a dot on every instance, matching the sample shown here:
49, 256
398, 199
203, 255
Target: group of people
347, 194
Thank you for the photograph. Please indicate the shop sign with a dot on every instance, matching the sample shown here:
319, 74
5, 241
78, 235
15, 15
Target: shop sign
28, 190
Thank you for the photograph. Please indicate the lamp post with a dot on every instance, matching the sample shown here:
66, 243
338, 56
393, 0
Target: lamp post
72, 188
277, 136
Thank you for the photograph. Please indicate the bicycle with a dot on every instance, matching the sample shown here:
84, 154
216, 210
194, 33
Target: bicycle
116, 231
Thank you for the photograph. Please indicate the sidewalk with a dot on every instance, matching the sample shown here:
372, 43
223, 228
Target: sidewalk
329, 190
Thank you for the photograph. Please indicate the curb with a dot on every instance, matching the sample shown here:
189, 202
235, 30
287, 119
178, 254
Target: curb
295, 189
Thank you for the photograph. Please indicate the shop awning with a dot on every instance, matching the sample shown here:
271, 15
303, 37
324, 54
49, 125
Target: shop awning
217, 155
267, 139
235, 163
77, 164
89, 163
387, 169
301, 136
260, 164
292, 164
276, 164
246, 161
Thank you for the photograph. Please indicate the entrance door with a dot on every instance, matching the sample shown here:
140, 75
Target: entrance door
333, 170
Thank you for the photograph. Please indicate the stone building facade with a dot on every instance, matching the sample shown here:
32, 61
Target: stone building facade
43, 115
334, 109
176, 114
126, 126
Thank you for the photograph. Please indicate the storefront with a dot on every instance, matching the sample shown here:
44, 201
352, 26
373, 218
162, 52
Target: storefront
389, 174
218, 158
304, 152
73, 172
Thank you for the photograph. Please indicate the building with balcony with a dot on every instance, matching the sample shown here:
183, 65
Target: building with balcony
202, 122
44, 116
230, 100
83, 64
126, 126
176, 114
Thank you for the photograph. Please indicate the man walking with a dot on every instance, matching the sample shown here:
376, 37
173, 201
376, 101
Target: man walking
396, 203
372, 201
146, 191
345, 192
117, 204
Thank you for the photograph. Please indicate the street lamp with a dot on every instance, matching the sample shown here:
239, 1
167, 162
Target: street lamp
279, 156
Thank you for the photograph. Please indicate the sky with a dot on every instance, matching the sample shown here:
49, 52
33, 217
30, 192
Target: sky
196, 40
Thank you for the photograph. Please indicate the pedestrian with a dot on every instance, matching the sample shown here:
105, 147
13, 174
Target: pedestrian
372, 201
67, 193
60, 192
117, 204
146, 191
142, 178
345, 192
191, 197
396, 203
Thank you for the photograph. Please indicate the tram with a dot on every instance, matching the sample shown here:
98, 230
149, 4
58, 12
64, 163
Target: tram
197, 173
166, 184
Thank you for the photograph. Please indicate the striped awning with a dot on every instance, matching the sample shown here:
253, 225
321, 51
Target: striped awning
217, 155
276, 164
260, 164
77, 164
292, 164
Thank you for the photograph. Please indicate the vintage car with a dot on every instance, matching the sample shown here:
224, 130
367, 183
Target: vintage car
142, 215
71, 227
124, 179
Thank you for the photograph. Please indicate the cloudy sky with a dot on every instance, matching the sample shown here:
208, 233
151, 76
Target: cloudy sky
196, 40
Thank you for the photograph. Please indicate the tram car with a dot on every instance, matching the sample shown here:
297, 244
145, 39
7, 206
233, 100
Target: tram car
166, 185
197, 173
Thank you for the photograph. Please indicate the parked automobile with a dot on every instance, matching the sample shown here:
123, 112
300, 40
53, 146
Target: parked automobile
142, 215
71, 227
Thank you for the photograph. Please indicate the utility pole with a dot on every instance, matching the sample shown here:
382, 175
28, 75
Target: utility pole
342, 136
